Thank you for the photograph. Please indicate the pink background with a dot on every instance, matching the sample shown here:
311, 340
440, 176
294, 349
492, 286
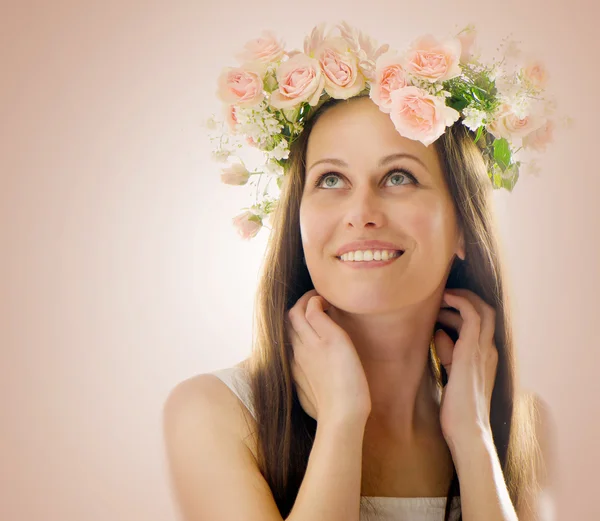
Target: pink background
121, 274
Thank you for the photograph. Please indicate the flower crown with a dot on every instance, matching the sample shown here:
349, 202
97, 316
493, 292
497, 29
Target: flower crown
268, 99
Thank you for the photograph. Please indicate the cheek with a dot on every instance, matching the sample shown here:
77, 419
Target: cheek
422, 223
313, 227
430, 227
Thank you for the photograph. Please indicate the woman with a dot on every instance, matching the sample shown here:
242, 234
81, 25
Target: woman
354, 350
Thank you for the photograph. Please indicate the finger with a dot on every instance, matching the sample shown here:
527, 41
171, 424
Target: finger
486, 313
302, 302
297, 318
315, 315
303, 331
291, 332
451, 319
470, 329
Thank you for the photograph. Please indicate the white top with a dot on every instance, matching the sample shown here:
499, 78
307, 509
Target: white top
389, 508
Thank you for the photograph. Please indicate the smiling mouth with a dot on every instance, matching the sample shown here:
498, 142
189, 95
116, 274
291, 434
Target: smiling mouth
397, 254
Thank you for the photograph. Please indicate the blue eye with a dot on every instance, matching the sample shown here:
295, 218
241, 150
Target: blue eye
404, 173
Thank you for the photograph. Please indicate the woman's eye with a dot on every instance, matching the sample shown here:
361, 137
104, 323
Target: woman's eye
394, 174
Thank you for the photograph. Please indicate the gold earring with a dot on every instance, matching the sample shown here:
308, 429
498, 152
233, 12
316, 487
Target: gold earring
432, 348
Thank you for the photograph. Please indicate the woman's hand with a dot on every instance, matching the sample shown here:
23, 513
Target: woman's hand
471, 365
329, 376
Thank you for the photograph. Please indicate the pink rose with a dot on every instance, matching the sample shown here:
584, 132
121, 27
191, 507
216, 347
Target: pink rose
236, 174
299, 79
265, 49
420, 116
508, 125
240, 85
340, 68
389, 76
536, 74
363, 47
229, 112
247, 224
433, 61
540, 138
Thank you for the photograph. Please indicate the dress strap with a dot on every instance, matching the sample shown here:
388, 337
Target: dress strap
236, 378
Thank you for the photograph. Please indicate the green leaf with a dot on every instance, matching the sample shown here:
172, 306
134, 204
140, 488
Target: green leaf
502, 153
479, 133
303, 112
255, 218
497, 180
457, 103
510, 182
286, 131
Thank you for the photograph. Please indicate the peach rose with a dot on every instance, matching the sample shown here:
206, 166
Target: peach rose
236, 174
365, 48
389, 76
420, 116
247, 228
240, 85
433, 61
508, 125
340, 69
539, 139
536, 74
299, 79
265, 49
229, 111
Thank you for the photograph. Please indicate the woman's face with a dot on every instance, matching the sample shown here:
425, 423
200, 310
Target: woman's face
364, 196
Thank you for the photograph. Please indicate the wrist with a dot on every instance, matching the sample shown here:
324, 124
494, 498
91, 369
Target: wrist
343, 421
470, 450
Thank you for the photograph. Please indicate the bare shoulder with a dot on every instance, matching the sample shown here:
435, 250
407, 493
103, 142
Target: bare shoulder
213, 472
207, 394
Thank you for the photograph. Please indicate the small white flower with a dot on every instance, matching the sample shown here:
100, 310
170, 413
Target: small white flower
211, 123
533, 168
495, 72
273, 168
281, 151
222, 155
259, 124
474, 118
567, 122
513, 49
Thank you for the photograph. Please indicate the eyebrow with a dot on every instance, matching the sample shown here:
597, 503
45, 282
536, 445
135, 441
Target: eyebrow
383, 161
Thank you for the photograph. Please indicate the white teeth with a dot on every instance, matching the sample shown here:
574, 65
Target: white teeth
369, 255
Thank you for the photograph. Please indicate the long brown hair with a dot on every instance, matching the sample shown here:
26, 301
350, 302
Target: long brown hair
285, 433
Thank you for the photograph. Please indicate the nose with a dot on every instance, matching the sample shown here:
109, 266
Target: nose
364, 209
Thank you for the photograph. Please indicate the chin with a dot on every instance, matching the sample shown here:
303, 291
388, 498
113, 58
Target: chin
363, 301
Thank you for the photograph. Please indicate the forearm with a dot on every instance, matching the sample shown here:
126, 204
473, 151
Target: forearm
330, 490
483, 490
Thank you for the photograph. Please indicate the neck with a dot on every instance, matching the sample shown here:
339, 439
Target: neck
394, 351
